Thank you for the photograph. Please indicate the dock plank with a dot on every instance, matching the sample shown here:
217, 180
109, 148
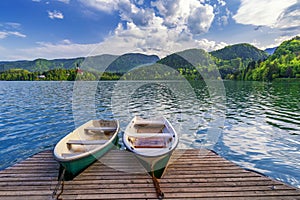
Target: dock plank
191, 174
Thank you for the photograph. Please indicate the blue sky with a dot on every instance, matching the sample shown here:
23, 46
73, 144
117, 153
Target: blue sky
31, 29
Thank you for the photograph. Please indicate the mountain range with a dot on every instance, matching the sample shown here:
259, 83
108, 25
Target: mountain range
124, 63
239, 62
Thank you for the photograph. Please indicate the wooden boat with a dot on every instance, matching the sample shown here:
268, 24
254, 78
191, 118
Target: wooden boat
86, 144
152, 141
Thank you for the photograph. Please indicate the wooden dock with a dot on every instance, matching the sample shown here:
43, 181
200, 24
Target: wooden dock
192, 174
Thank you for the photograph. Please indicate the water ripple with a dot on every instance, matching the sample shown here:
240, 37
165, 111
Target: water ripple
261, 130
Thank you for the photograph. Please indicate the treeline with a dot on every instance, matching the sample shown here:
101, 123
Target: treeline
284, 63
57, 75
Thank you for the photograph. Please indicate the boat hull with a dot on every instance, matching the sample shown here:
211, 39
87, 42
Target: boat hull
152, 141
155, 166
74, 167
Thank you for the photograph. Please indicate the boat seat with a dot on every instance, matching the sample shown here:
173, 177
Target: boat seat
86, 142
149, 135
149, 123
146, 129
148, 140
102, 128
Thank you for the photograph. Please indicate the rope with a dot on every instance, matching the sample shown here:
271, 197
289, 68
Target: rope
60, 182
159, 193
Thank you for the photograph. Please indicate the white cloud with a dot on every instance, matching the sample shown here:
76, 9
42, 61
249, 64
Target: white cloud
160, 40
165, 27
262, 12
200, 19
55, 15
48, 50
221, 2
281, 39
5, 34
16, 33
290, 19
64, 1
192, 15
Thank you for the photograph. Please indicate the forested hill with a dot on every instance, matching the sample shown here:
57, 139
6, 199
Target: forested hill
284, 63
245, 62
128, 61
243, 51
111, 63
230, 60
41, 65
178, 61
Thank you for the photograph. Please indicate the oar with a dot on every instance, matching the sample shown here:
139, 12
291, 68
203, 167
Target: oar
60, 181
159, 193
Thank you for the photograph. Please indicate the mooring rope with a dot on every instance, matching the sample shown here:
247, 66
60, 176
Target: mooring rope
159, 193
60, 182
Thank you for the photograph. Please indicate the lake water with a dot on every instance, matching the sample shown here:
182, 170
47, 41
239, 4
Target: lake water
254, 124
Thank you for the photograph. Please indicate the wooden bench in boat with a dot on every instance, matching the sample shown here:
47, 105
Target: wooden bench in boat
149, 123
86, 142
101, 128
149, 129
150, 140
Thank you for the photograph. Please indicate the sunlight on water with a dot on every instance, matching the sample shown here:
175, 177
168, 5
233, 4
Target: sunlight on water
261, 130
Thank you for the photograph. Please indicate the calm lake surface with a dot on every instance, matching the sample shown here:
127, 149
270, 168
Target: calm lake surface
254, 124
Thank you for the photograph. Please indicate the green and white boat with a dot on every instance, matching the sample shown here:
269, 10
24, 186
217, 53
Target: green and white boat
80, 148
152, 141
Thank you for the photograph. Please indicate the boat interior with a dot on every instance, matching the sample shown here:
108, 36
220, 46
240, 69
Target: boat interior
150, 135
91, 136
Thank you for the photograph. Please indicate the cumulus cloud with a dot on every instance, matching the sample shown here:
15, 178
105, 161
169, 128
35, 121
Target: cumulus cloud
160, 41
200, 19
131, 13
191, 15
164, 27
55, 14
262, 12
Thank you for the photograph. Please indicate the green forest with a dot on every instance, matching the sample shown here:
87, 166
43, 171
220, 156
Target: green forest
284, 63
235, 62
